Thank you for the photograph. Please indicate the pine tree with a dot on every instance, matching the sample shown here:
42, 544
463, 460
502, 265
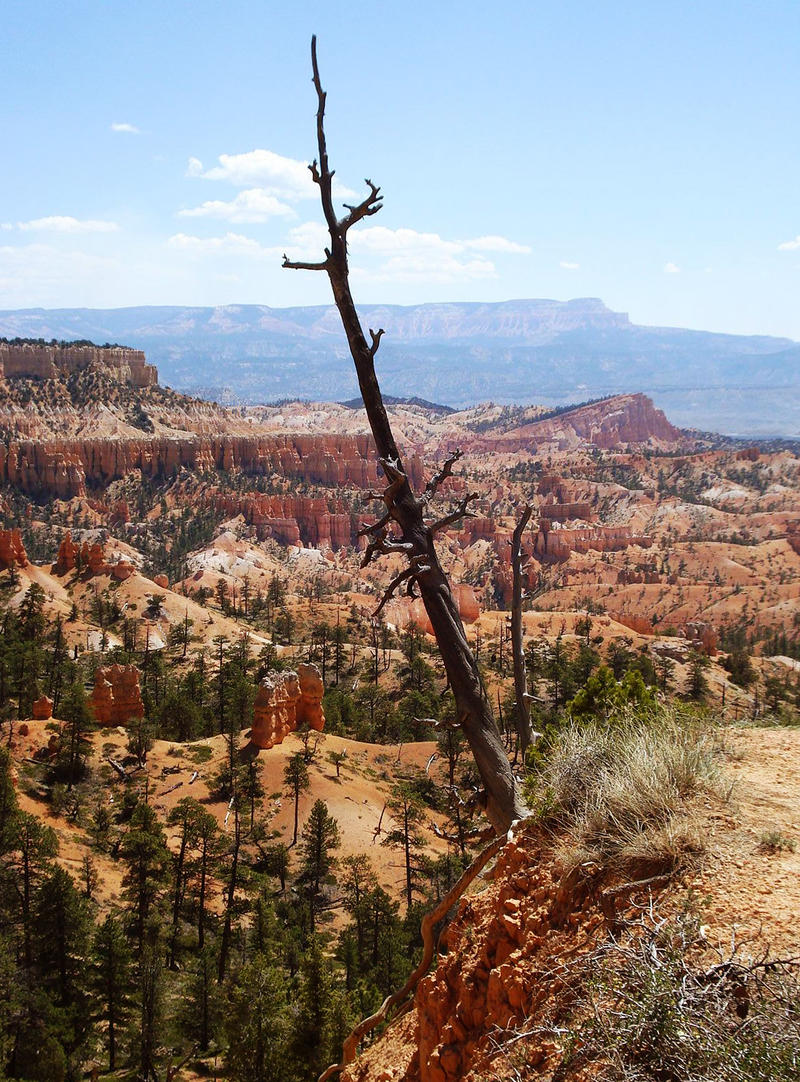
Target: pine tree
257, 1026
406, 808
319, 841
145, 853
295, 775
112, 974
71, 762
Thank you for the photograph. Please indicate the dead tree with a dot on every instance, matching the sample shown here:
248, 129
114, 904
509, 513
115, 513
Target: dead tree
522, 706
404, 528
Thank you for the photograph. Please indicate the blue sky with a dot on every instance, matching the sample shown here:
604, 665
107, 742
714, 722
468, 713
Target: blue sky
646, 153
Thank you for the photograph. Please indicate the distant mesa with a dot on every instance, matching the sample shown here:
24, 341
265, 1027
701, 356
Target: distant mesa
28, 359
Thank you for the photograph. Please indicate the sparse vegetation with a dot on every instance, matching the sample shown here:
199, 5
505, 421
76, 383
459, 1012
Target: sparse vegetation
622, 791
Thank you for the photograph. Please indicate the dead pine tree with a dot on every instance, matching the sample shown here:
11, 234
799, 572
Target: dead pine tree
522, 705
403, 527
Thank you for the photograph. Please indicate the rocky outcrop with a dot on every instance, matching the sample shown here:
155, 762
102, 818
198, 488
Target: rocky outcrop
28, 359
90, 557
642, 625
116, 697
608, 424
315, 521
502, 969
12, 550
67, 557
556, 545
42, 709
286, 701
67, 468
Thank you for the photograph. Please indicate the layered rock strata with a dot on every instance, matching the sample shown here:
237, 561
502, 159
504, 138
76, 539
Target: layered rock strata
31, 360
66, 468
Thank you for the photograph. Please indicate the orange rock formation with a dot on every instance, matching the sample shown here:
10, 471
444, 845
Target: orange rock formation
116, 697
284, 702
42, 709
12, 550
49, 362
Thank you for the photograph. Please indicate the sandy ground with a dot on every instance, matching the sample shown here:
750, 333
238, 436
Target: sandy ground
753, 891
356, 799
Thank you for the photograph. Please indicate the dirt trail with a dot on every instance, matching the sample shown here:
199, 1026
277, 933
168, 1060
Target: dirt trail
754, 890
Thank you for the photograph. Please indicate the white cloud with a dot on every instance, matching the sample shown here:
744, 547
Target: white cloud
252, 205
378, 238
790, 245
39, 274
308, 241
671, 268
284, 178
566, 265
497, 244
129, 129
6, 225
231, 244
398, 255
58, 223
419, 266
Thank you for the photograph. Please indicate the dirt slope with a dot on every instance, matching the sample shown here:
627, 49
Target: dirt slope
507, 953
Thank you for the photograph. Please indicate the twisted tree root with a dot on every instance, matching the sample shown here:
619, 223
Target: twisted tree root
429, 922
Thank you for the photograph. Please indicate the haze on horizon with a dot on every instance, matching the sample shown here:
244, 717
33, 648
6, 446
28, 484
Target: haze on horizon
645, 156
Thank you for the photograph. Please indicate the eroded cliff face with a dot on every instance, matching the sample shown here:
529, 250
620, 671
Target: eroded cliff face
625, 419
29, 359
67, 468
558, 544
317, 521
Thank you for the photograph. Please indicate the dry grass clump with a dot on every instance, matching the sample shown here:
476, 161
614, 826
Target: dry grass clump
623, 791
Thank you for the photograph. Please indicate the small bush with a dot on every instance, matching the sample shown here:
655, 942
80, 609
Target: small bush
773, 841
651, 1015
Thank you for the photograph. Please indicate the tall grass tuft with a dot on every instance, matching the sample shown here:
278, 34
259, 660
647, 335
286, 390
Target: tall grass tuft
623, 791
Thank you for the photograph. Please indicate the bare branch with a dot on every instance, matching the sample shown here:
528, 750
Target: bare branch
385, 546
289, 264
371, 204
462, 511
396, 582
445, 472
376, 340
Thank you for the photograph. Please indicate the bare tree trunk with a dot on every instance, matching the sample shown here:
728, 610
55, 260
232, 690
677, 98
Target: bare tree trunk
503, 801
522, 707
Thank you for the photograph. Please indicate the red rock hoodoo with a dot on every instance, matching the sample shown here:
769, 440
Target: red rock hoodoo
284, 702
117, 697
12, 550
42, 709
